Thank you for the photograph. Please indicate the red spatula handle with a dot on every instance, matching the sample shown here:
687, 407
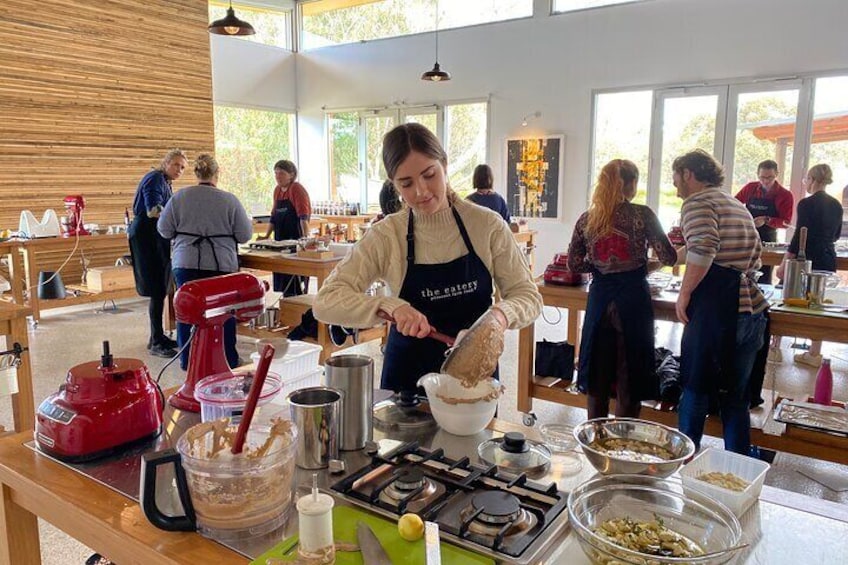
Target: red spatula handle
437, 335
253, 396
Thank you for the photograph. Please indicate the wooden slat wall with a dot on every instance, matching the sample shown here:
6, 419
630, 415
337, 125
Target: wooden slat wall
92, 94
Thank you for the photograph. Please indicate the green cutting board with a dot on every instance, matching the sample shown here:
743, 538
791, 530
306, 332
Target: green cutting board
399, 550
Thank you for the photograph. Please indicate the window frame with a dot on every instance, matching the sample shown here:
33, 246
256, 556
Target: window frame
399, 113
554, 12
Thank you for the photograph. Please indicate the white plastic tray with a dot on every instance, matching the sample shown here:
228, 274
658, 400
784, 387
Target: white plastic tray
750, 470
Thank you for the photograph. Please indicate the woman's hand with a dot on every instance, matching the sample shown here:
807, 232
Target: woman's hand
779, 272
411, 322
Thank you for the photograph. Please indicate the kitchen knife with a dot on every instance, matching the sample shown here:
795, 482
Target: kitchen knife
431, 543
372, 552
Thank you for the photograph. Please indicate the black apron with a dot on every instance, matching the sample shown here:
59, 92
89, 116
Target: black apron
708, 346
151, 257
631, 295
822, 252
452, 295
286, 226
763, 206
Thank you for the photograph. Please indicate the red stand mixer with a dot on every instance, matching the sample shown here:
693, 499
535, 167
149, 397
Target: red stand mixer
103, 406
72, 225
207, 304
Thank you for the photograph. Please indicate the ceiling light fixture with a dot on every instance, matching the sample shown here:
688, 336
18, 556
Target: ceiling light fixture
436, 74
231, 25
536, 114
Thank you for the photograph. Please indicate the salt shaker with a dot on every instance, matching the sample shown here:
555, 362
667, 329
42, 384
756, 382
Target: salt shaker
315, 525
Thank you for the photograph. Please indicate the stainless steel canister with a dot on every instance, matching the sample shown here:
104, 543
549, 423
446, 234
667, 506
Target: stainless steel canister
794, 282
818, 283
353, 375
316, 413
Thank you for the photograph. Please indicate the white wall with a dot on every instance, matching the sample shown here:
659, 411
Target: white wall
552, 64
245, 73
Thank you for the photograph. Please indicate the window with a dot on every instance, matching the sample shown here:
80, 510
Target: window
465, 144
273, 25
561, 6
356, 148
332, 22
622, 131
829, 143
247, 144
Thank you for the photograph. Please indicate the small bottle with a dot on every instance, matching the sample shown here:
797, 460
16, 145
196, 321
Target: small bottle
824, 384
315, 525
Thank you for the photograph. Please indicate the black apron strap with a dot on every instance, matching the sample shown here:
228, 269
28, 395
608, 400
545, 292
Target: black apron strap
410, 243
462, 231
200, 239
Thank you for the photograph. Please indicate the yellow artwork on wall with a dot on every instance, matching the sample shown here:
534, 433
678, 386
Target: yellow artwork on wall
533, 176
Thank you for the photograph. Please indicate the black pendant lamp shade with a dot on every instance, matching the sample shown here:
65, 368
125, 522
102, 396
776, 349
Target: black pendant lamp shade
436, 74
231, 25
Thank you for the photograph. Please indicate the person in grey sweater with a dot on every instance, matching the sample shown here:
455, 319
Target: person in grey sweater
206, 225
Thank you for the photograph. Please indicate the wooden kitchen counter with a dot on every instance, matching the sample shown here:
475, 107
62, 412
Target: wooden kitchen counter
765, 432
13, 324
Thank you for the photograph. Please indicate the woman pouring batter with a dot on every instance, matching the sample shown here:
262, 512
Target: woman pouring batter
441, 256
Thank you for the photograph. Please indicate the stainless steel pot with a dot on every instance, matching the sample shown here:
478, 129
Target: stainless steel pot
817, 283
316, 413
794, 285
353, 375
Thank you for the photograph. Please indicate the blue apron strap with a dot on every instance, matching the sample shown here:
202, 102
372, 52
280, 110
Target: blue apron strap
410, 243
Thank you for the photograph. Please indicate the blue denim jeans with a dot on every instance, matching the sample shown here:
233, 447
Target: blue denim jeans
733, 404
182, 276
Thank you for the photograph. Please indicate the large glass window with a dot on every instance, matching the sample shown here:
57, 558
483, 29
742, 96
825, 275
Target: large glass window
765, 129
331, 22
356, 147
560, 6
465, 126
272, 22
247, 144
623, 131
829, 143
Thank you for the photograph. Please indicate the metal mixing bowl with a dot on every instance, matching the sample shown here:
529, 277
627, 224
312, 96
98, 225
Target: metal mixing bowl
707, 522
630, 428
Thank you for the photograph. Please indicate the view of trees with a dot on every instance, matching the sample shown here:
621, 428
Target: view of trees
391, 18
247, 144
272, 27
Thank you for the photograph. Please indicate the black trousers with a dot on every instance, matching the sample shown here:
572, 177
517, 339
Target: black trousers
154, 312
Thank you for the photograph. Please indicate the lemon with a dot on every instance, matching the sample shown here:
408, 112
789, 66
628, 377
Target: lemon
411, 527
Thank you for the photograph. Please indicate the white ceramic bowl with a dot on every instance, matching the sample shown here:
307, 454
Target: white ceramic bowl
473, 412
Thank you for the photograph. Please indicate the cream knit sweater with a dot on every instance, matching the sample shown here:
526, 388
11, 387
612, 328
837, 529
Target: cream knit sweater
381, 255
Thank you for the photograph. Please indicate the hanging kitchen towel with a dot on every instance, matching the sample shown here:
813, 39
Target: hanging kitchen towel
555, 359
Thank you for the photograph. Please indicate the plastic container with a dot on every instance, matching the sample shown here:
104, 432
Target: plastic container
225, 395
750, 470
301, 358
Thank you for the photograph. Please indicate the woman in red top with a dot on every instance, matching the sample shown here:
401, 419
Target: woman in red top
289, 220
611, 241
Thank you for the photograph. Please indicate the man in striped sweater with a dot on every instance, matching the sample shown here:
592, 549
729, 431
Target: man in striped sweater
719, 301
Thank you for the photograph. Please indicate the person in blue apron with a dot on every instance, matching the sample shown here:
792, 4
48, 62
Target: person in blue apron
205, 245
151, 253
289, 220
770, 205
611, 241
719, 301
440, 256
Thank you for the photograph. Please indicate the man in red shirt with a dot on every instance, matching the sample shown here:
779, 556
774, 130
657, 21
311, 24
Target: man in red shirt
769, 203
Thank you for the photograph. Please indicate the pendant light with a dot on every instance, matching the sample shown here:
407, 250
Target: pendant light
436, 74
231, 25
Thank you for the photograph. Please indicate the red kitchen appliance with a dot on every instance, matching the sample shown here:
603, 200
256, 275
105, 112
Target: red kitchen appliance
207, 304
557, 272
72, 225
102, 406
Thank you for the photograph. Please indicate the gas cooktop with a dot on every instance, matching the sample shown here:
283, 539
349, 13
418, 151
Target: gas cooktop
502, 515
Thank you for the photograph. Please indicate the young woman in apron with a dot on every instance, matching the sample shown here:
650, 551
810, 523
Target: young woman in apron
439, 257
289, 220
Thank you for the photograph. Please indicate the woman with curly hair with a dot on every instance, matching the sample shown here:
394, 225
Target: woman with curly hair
611, 241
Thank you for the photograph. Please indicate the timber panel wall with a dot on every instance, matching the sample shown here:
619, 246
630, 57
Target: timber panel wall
92, 94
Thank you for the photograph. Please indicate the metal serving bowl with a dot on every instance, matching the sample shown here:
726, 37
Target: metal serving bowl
703, 520
630, 428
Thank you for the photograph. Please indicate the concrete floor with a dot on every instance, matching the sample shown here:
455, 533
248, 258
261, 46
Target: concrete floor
68, 337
